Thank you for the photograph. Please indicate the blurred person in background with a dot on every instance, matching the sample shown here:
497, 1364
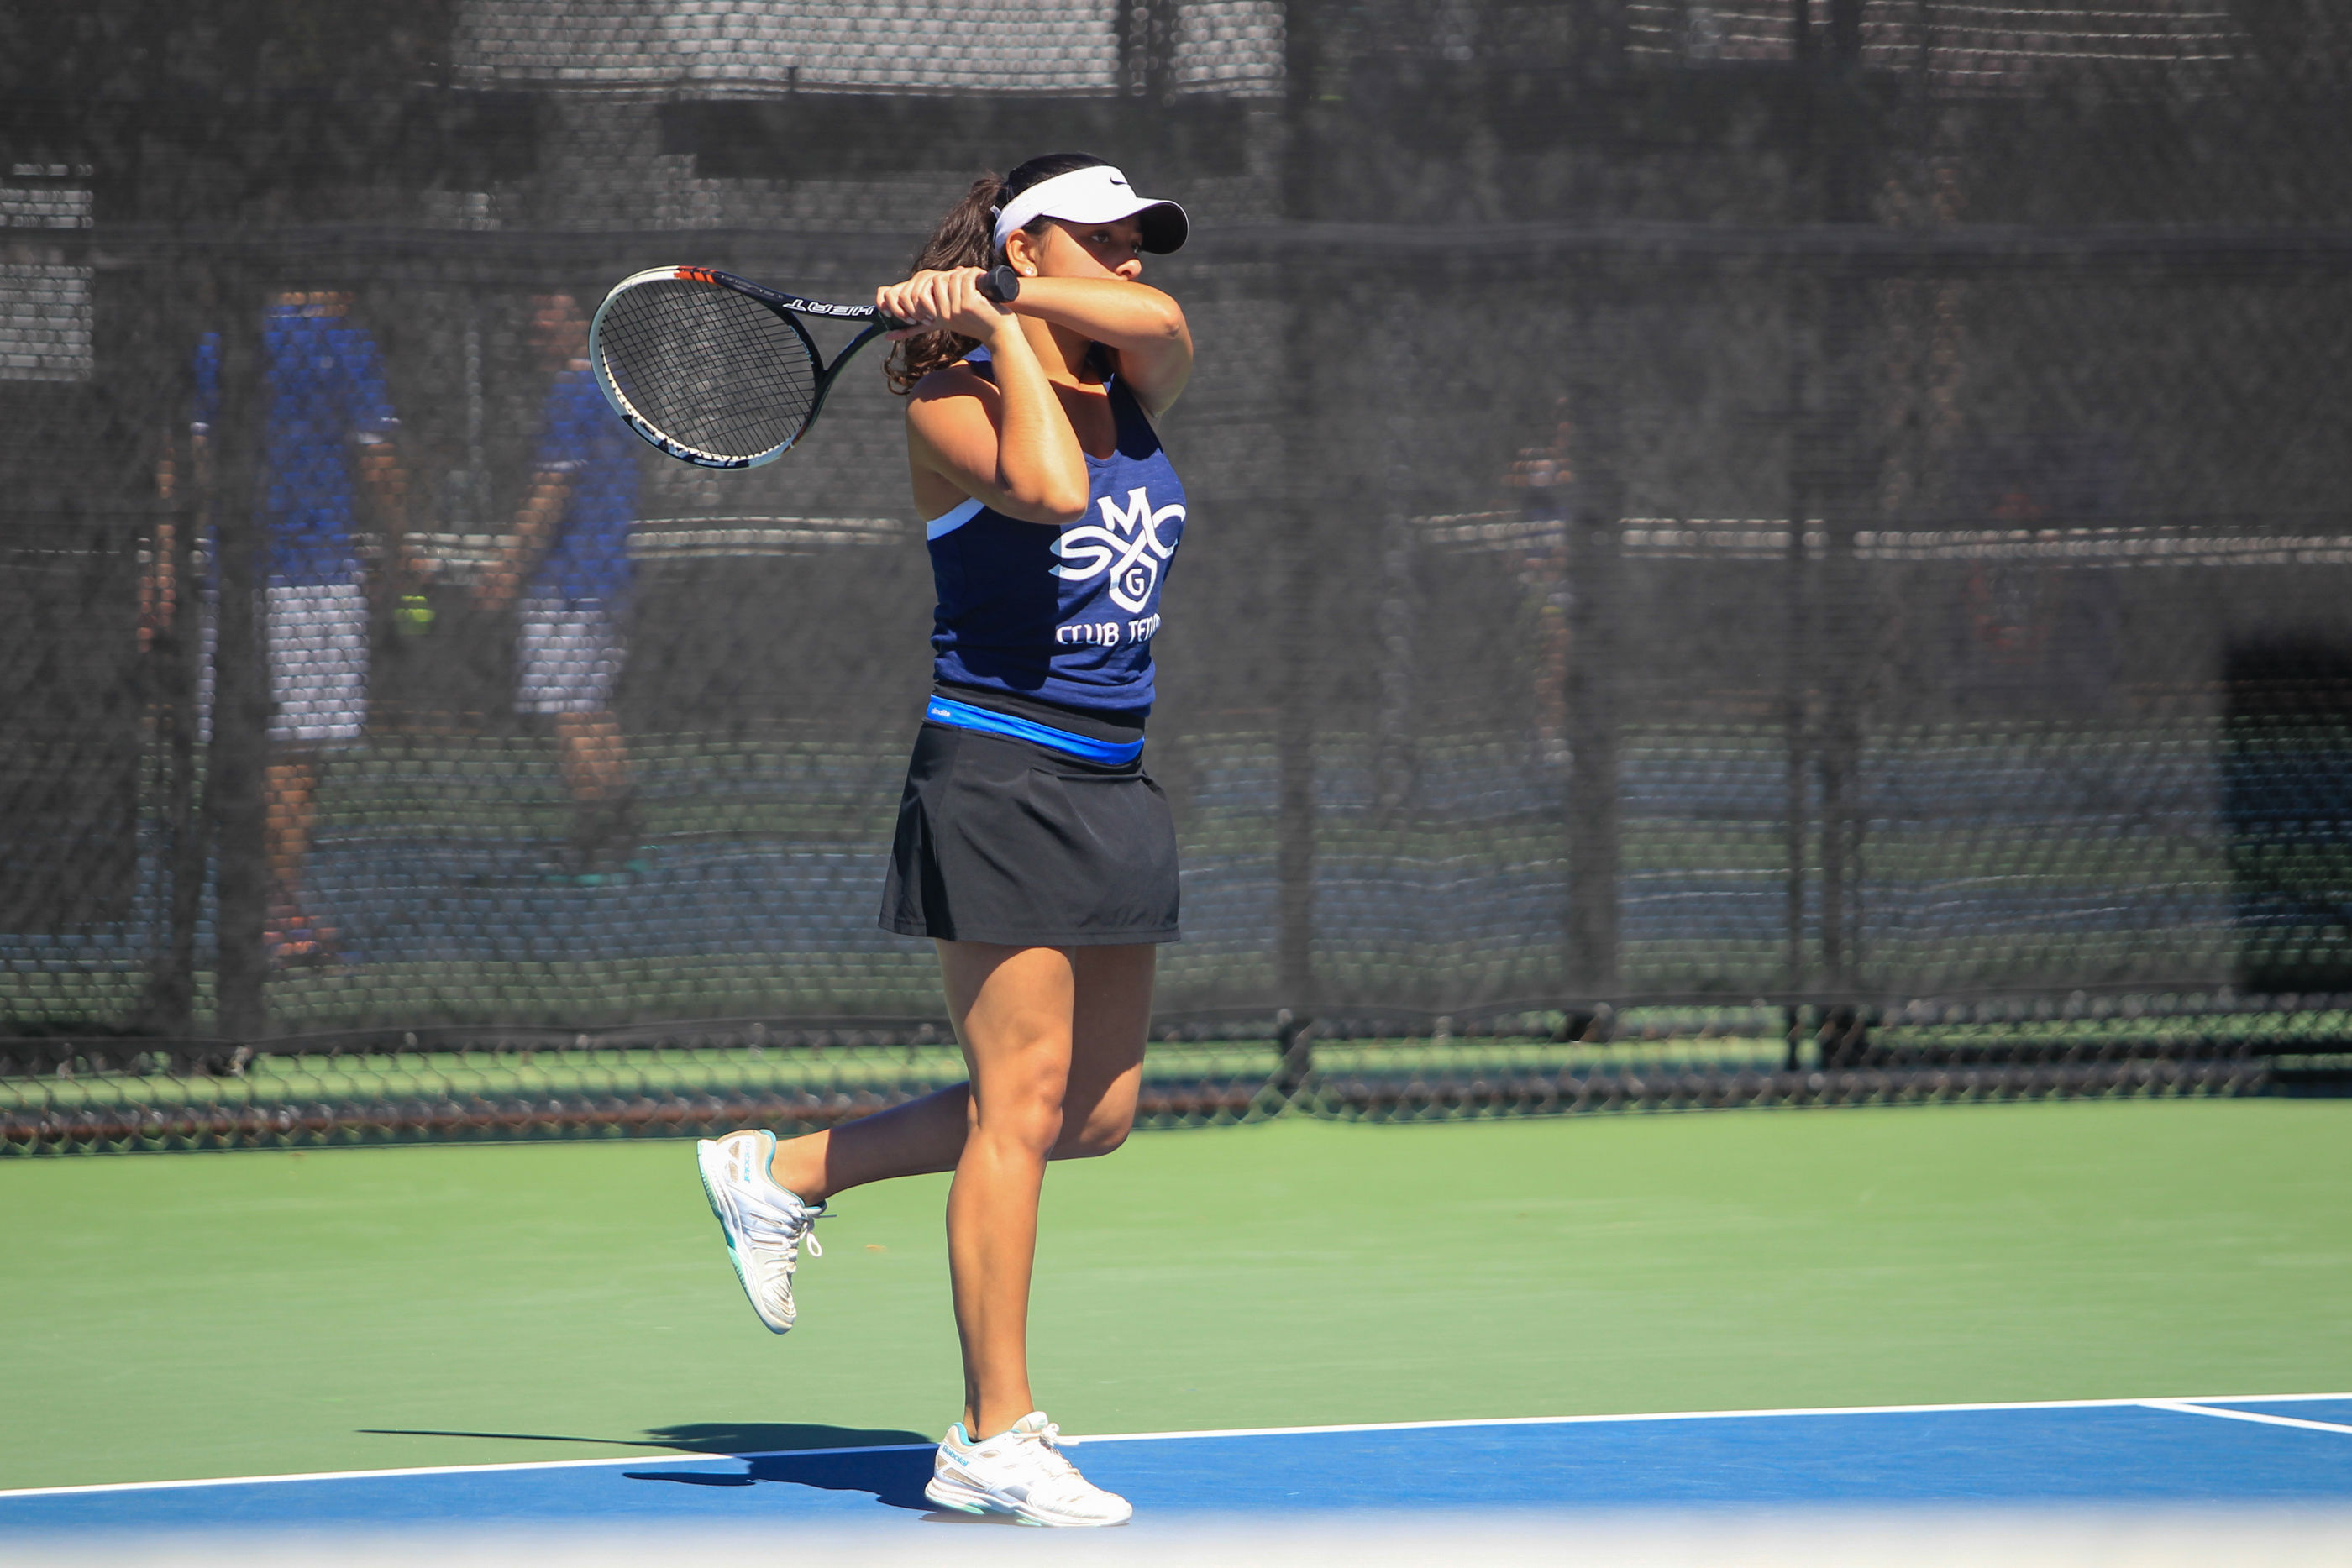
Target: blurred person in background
567, 559
328, 433
1543, 475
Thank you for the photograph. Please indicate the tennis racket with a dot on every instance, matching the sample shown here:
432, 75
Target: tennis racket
718, 370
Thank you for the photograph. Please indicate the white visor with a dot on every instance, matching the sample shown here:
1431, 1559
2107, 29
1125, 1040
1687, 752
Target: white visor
1098, 193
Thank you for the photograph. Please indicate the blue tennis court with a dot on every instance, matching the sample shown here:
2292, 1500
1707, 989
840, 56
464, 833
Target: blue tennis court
2204, 1452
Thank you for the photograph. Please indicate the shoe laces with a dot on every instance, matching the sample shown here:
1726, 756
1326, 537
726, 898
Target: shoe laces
791, 1223
1047, 1455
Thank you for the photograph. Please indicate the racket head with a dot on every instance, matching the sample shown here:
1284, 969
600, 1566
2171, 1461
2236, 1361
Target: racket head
703, 370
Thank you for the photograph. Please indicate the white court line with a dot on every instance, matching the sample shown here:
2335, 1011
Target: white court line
2188, 1407
672, 1457
1701, 1416
2197, 1401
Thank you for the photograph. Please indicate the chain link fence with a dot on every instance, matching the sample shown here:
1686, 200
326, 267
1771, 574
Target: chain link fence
1753, 552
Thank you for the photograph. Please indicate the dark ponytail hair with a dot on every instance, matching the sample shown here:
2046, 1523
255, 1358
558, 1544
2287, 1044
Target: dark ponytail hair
967, 237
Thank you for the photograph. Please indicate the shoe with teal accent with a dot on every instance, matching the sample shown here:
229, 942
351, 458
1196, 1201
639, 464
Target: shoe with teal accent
764, 1225
1021, 1472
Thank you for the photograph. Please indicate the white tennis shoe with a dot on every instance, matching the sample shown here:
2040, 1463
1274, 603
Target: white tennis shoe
764, 1225
1021, 1472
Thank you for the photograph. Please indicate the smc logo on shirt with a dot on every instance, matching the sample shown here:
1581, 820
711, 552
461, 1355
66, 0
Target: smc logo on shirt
1065, 614
1127, 545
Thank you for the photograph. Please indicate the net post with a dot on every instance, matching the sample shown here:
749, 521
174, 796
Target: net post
238, 754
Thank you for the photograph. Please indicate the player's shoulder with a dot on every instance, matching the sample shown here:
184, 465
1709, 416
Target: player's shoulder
959, 380
949, 396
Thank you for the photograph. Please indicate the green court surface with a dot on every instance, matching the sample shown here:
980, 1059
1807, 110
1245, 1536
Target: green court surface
251, 1314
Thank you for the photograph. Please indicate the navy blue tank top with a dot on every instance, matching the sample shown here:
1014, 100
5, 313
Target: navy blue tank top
1066, 614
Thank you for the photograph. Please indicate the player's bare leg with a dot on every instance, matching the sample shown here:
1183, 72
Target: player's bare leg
1111, 1010
289, 802
595, 759
1019, 1012
1055, 1038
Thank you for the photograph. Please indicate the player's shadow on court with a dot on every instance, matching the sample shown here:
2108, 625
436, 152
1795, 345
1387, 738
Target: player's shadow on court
701, 1437
891, 1464
894, 1476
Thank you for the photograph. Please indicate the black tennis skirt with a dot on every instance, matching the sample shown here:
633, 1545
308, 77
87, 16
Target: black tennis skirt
1008, 842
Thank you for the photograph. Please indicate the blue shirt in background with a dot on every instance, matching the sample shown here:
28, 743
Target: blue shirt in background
326, 397
588, 559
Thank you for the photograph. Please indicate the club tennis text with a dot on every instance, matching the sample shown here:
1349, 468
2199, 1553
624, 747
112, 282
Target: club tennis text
1107, 633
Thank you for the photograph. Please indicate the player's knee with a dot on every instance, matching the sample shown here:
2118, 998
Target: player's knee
1096, 1142
1098, 1135
1026, 1116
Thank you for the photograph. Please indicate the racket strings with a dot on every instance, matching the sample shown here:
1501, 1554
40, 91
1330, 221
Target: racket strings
710, 368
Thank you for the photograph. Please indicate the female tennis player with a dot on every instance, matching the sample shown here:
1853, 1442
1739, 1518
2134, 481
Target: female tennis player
1032, 847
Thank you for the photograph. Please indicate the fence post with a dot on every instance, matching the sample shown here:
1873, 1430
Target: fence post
1145, 35
1294, 765
1292, 640
1294, 1053
1595, 547
1831, 468
175, 616
238, 754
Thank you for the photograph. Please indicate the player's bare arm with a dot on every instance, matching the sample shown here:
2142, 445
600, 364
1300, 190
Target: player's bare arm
387, 482
1010, 444
1084, 278
551, 492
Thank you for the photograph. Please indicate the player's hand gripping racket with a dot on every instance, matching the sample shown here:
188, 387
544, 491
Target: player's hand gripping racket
718, 370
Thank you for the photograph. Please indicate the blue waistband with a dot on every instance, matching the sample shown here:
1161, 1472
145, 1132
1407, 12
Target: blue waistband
964, 715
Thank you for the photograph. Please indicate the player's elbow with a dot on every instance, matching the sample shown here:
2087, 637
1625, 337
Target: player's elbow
1057, 502
1050, 486
1152, 319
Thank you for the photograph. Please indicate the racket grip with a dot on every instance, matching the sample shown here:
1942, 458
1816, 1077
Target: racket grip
1002, 285
999, 284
